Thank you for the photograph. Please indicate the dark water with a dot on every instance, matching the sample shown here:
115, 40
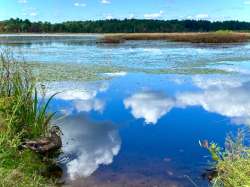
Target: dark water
143, 129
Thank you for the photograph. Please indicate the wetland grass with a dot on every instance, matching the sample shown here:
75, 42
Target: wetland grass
209, 37
232, 165
23, 116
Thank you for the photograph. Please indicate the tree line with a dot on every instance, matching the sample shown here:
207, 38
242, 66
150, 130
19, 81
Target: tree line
121, 26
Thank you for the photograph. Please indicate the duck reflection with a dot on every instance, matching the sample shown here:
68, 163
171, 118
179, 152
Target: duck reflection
88, 144
150, 105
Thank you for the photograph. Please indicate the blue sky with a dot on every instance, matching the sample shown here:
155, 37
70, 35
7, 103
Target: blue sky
63, 10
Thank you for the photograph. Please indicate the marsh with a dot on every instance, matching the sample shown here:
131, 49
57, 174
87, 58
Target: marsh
133, 113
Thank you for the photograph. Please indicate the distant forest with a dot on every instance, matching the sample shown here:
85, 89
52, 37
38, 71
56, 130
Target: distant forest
120, 26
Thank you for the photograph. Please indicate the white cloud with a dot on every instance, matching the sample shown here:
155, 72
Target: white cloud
149, 105
22, 1
116, 74
226, 97
199, 17
131, 16
87, 145
81, 97
109, 16
202, 16
33, 14
76, 91
89, 105
105, 1
219, 82
77, 94
79, 4
221, 97
154, 15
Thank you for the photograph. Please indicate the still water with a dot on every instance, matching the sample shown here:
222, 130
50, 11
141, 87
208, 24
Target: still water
141, 126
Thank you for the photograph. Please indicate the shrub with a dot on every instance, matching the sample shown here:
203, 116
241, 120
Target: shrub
233, 163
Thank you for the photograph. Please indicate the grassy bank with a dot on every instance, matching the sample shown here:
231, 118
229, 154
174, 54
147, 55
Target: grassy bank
22, 116
232, 164
211, 37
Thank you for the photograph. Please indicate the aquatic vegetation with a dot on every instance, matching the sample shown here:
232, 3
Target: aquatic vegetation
224, 31
64, 72
232, 163
185, 71
213, 149
22, 116
76, 72
211, 37
116, 39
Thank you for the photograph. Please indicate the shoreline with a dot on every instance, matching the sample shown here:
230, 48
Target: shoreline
115, 33
218, 37
197, 37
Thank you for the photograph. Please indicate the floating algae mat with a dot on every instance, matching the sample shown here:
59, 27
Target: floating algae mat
62, 72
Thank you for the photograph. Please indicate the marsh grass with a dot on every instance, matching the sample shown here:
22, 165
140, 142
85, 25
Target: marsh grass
220, 36
234, 168
233, 163
22, 116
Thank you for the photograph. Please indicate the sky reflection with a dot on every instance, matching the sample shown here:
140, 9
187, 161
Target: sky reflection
105, 137
88, 144
226, 97
178, 111
222, 97
149, 105
82, 97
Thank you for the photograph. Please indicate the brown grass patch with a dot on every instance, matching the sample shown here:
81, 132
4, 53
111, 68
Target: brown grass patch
211, 37
114, 39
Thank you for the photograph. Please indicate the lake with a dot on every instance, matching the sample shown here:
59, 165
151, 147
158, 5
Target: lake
138, 122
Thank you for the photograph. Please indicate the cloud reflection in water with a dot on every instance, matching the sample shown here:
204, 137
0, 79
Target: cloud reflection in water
82, 96
226, 97
149, 105
88, 144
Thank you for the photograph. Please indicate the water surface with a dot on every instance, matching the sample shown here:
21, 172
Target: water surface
141, 126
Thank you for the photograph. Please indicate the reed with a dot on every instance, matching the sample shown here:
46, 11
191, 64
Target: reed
211, 37
23, 115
